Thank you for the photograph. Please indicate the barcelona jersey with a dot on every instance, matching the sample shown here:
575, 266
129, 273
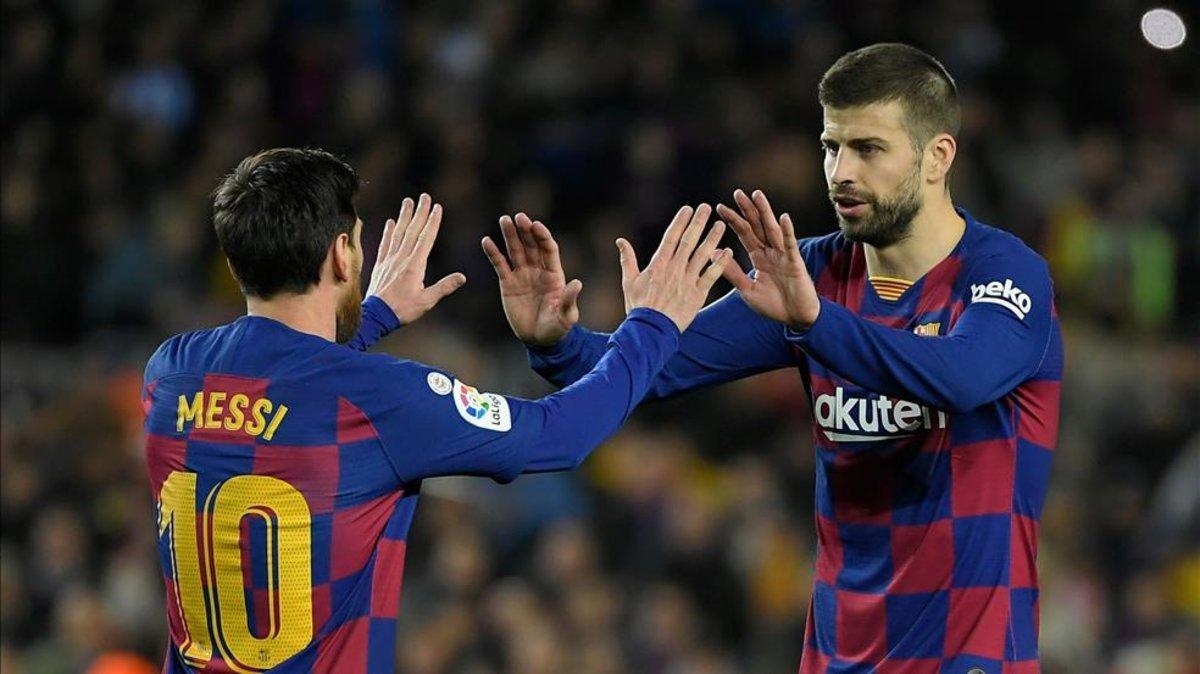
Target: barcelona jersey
936, 416
286, 471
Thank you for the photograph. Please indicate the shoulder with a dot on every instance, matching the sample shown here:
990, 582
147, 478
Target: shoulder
822, 248
991, 247
174, 354
383, 378
1000, 269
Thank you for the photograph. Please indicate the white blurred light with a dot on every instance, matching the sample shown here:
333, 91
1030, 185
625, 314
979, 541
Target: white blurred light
1163, 28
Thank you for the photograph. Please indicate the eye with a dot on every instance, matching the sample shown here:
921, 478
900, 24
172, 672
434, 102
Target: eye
869, 149
829, 147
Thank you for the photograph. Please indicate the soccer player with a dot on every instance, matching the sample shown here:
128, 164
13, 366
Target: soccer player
929, 346
286, 465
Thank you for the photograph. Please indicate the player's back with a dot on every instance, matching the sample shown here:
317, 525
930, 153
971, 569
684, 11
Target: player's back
281, 521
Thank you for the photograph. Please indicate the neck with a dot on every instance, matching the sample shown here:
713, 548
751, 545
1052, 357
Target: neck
935, 232
311, 312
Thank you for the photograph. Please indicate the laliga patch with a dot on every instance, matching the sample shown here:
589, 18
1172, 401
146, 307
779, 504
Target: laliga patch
439, 383
485, 410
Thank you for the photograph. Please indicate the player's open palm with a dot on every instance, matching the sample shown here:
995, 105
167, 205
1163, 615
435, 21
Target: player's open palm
677, 279
399, 274
540, 305
781, 288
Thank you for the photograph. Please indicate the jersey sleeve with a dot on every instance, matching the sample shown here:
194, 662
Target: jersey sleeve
431, 424
998, 342
726, 341
378, 320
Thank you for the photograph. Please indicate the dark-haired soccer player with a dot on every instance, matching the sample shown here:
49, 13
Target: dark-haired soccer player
929, 345
286, 465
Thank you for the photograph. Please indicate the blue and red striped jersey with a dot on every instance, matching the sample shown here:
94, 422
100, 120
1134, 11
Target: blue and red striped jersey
286, 471
936, 417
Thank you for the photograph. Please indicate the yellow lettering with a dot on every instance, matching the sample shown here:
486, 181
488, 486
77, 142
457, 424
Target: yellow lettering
215, 398
237, 416
275, 422
262, 407
190, 412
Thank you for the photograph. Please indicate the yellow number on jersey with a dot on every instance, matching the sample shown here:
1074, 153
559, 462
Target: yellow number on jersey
287, 519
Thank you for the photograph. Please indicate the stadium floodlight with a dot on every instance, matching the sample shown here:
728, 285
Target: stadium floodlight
1163, 28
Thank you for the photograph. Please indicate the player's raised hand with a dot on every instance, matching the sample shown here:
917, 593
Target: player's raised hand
682, 271
781, 288
539, 303
399, 274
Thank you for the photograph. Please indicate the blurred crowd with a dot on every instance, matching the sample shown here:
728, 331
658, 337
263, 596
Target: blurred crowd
685, 545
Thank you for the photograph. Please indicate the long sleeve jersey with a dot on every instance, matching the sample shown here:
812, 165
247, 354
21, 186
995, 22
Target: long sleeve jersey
286, 470
936, 415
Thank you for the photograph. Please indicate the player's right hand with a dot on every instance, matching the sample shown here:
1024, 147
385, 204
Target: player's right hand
540, 305
677, 279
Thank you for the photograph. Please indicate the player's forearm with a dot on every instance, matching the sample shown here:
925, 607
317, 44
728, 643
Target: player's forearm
573, 357
378, 320
727, 341
581, 416
985, 358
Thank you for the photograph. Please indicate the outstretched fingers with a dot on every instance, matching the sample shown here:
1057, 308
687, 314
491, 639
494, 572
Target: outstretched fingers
499, 263
789, 234
415, 225
525, 231
385, 241
741, 227
691, 235
750, 211
707, 248
670, 240
739, 279
629, 264
444, 288
425, 240
548, 247
720, 260
512, 241
400, 227
766, 216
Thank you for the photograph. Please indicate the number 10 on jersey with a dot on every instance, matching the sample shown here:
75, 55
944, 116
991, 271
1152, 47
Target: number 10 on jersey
206, 564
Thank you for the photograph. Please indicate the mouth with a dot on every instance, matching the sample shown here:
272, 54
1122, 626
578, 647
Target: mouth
849, 207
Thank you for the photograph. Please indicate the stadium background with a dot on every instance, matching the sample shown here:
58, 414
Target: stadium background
685, 544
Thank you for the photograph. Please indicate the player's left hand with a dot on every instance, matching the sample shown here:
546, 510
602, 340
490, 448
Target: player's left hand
399, 274
781, 289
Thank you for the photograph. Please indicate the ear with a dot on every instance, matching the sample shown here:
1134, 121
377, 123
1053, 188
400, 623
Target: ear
939, 155
342, 257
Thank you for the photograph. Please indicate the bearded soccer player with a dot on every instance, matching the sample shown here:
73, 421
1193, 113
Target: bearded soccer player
930, 349
286, 464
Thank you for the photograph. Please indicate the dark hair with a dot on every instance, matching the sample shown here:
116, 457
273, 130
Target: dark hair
888, 72
277, 214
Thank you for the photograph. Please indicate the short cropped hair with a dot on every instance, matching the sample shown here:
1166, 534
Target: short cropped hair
887, 72
277, 214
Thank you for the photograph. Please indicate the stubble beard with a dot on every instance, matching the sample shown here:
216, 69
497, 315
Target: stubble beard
349, 312
889, 220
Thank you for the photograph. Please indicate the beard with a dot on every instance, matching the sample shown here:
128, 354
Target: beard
888, 221
349, 312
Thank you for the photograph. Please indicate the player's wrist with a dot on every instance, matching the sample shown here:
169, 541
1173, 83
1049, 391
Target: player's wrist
550, 344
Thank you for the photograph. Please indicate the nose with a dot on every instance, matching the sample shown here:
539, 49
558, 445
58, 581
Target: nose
840, 168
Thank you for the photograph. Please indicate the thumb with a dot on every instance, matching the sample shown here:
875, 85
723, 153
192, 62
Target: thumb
734, 274
629, 265
447, 285
571, 295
